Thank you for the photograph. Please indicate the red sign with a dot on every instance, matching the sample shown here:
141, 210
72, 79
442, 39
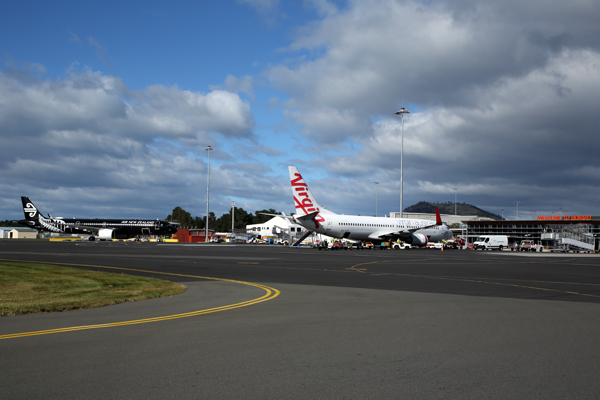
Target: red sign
565, 218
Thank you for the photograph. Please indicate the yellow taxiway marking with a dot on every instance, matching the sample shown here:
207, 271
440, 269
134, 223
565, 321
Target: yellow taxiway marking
481, 280
270, 294
362, 270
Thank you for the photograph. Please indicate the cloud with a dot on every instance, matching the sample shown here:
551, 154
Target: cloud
239, 85
502, 96
89, 134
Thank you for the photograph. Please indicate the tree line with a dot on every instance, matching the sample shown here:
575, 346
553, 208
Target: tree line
10, 223
221, 224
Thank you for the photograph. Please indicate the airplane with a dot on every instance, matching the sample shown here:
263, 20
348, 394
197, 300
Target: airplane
309, 214
103, 229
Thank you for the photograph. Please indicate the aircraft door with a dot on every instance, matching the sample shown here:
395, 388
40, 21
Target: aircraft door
328, 225
157, 225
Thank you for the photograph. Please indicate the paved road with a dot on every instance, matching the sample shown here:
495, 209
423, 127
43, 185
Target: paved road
299, 323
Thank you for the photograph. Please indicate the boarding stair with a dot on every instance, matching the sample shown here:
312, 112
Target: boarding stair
304, 236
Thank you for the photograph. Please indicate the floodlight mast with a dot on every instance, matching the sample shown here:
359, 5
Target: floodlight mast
455, 192
401, 112
376, 196
208, 149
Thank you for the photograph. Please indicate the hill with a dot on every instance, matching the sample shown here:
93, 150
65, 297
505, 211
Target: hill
448, 208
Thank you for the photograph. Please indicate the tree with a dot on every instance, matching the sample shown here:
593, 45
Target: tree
9, 223
181, 216
221, 224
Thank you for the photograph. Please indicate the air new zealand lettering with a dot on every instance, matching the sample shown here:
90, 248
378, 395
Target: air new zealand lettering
100, 228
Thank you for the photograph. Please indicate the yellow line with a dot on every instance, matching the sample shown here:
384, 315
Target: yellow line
362, 270
271, 293
481, 280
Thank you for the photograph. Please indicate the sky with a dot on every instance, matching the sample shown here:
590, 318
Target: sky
106, 107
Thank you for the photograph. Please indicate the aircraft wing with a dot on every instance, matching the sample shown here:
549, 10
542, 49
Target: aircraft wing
90, 229
392, 234
282, 215
405, 233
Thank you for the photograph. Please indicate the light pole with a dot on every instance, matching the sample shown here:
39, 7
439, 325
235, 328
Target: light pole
517, 203
232, 214
502, 214
401, 112
376, 196
455, 192
208, 149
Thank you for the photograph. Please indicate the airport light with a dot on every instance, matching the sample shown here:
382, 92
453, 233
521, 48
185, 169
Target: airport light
502, 214
455, 192
208, 149
376, 196
232, 214
517, 203
401, 112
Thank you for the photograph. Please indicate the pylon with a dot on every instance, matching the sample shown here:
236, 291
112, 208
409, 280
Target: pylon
442, 248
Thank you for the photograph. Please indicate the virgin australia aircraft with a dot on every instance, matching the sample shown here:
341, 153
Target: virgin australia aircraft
309, 214
105, 229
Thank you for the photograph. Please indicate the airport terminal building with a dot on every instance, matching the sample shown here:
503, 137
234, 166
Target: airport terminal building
561, 233
579, 232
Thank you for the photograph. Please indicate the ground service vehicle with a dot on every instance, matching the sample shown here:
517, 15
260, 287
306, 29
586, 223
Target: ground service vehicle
401, 246
528, 245
491, 242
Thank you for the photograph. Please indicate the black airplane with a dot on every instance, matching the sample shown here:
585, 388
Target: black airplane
103, 229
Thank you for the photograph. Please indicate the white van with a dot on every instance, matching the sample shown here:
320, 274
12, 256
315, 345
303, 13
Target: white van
491, 242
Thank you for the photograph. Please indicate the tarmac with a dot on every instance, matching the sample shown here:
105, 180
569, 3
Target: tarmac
266, 322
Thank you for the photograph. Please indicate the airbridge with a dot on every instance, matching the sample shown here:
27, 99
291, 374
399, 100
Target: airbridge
570, 237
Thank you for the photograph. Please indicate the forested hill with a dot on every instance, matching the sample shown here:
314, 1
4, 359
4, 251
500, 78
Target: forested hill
448, 208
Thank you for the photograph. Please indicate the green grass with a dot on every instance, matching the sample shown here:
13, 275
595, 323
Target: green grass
37, 288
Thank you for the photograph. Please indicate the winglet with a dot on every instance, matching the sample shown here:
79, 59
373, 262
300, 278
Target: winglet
438, 219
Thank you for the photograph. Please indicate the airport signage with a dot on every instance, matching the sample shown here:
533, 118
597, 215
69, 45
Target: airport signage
565, 218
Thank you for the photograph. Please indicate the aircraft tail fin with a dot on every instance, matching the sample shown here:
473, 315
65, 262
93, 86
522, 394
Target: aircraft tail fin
30, 210
438, 219
304, 201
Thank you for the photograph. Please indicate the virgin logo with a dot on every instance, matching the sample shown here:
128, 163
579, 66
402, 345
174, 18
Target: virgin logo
300, 191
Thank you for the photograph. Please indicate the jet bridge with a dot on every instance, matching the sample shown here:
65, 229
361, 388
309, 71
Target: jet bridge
566, 238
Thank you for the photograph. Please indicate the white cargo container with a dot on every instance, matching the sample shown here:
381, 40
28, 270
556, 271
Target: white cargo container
491, 242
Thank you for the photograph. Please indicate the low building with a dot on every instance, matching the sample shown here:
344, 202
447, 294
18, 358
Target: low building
277, 228
21, 233
192, 235
4, 230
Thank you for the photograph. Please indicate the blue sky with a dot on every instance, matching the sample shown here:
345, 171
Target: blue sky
106, 107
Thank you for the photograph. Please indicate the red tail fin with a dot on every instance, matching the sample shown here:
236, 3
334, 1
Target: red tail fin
438, 219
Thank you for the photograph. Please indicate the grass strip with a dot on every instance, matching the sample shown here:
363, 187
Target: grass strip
37, 288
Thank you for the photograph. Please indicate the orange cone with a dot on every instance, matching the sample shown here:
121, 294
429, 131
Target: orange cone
442, 248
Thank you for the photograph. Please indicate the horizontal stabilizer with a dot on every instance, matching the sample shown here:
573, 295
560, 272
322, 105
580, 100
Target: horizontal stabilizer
308, 217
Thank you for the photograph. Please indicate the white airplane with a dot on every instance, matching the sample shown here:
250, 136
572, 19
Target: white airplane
416, 232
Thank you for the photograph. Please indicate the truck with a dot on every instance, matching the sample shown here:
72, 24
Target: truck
527, 245
491, 242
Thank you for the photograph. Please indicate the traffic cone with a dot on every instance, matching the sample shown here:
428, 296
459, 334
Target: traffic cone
442, 248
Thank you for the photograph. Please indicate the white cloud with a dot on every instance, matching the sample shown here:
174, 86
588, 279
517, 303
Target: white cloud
503, 96
90, 132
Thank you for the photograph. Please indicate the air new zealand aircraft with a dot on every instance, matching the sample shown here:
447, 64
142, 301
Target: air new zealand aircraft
104, 229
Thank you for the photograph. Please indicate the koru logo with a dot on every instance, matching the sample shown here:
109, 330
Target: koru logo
30, 208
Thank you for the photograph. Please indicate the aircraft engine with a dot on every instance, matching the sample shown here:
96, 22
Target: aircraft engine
106, 234
417, 239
